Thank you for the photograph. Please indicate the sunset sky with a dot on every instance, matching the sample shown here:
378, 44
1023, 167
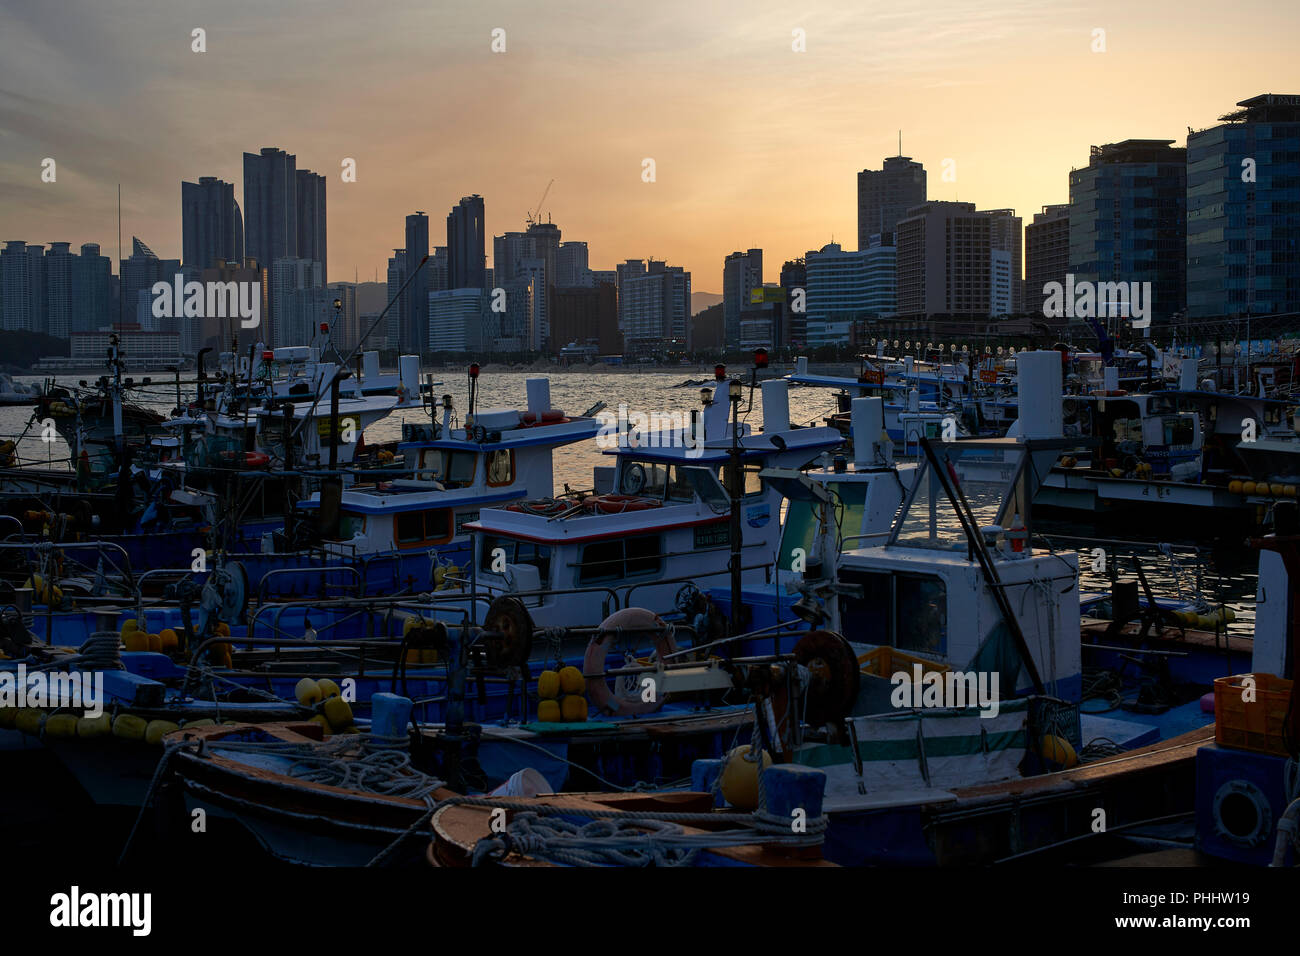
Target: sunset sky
754, 144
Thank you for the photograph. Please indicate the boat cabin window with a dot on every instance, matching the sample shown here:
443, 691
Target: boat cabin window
1273, 414
620, 558
752, 484
414, 529
351, 525
655, 480
1179, 430
500, 467
517, 552
905, 611
455, 469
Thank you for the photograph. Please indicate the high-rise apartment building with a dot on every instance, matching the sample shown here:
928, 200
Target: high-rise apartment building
885, 195
212, 226
466, 245
1047, 254
1243, 211
1128, 220
741, 272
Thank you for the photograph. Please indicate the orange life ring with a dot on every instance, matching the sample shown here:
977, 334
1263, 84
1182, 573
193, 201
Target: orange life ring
601, 695
252, 459
618, 504
551, 417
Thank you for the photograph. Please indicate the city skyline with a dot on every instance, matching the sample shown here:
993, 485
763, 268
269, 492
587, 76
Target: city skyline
1005, 92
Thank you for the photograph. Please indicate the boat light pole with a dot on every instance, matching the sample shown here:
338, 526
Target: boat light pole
734, 390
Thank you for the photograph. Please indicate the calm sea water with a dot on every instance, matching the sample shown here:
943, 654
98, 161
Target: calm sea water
1228, 570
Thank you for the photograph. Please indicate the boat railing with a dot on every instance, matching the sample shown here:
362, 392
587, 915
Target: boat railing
687, 578
101, 547
21, 531
534, 592
862, 537
345, 569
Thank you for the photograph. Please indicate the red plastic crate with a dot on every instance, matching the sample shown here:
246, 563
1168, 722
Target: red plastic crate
1257, 725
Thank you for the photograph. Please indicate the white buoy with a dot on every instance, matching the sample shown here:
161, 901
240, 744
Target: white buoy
867, 417
408, 372
1110, 378
538, 391
776, 405
1038, 390
1187, 375
801, 365
370, 367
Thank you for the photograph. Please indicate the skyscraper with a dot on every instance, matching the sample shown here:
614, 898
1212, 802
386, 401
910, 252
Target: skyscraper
270, 205
466, 245
953, 262
415, 302
24, 286
395, 321
885, 195
1243, 211
842, 287
741, 272
1047, 253
138, 275
58, 289
212, 227
571, 266
1128, 220
310, 199
656, 309
1007, 235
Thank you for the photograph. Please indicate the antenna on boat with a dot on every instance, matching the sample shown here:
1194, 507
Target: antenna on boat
343, 370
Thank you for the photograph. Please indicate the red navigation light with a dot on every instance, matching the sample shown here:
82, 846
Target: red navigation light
268, 356
719, 372
324, 327
473, 370
760, 358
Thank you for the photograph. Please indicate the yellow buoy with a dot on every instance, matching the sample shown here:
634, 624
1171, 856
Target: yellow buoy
1248, 487
740, 769
338, 712
548, 711
61, 725
29, 720
412, 655
1288, 491
573, 708
170, 640
130, 624
548, 685
328, 688
572, 681
320, 719
1057, 750
428, 655
307, 692
155, 642
223, 629
90, 727
130, 727
1276, 489
1234, 486
136, 641
156, 730
201, 722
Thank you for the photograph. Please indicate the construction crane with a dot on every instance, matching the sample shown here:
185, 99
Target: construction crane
534, 218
